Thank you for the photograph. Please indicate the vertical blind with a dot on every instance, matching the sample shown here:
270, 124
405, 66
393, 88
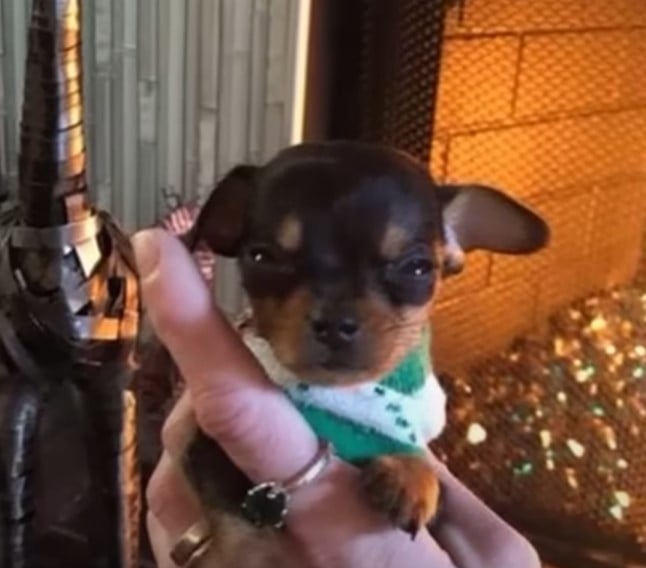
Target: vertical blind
177, 92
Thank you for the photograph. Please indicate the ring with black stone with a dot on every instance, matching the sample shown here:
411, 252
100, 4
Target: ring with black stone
266, 504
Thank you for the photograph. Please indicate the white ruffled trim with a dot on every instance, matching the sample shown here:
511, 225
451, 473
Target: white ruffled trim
370, 404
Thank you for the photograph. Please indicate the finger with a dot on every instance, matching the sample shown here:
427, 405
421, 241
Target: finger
159, 542
471, 532
334, 523
233, 400
171, 500
179, 428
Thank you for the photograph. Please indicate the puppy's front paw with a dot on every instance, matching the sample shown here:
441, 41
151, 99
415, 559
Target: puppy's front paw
405, 487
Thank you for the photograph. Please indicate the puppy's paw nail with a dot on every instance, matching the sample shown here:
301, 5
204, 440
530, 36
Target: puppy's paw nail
412, 529
405, 488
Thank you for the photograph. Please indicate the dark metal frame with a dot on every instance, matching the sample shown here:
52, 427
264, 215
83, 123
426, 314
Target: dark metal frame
374, 71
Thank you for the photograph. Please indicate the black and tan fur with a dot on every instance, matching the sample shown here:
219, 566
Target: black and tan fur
342, 247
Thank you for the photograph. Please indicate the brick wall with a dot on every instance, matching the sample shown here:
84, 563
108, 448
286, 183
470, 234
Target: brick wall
546, 100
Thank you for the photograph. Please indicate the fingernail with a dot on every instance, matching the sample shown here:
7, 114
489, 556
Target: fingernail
146, 247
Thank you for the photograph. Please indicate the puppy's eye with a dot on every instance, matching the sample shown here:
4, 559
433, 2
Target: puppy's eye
260, 254
416, 267
268, 259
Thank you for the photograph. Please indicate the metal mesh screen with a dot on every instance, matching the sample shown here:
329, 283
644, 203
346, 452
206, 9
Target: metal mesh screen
400, 53
544, 357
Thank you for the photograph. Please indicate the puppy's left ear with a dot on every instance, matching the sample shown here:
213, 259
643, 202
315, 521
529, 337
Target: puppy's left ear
222, 220
478, 217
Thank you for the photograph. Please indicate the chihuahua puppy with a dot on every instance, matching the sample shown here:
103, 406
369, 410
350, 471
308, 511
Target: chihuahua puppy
342, 248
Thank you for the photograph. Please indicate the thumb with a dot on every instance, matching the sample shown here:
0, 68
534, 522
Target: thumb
234, 403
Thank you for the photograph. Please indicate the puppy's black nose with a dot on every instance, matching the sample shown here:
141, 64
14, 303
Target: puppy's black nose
335, 331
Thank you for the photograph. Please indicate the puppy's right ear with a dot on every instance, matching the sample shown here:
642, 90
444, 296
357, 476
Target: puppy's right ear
479, 217
221, 222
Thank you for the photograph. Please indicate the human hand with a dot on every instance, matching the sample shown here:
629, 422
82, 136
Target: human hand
329, 523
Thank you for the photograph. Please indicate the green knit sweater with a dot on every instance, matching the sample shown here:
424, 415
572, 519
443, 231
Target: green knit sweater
399, 413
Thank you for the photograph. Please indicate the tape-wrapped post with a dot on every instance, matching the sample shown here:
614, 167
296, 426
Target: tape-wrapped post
68, 330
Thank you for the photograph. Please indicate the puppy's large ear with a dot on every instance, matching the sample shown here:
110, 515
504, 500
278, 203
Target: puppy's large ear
221, 222
479, 217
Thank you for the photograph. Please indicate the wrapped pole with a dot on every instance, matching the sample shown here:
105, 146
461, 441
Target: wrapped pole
69, 309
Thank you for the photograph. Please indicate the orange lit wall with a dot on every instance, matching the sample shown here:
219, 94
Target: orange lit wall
546, 100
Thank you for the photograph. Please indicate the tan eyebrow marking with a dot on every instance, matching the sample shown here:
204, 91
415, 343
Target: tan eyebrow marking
290, 233
393, 242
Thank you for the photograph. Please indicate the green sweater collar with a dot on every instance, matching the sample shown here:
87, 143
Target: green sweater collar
410, 375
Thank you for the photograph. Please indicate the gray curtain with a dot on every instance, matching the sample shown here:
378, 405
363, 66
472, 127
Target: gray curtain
177, 92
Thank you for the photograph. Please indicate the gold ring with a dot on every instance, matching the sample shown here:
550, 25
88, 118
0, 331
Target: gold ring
192, 545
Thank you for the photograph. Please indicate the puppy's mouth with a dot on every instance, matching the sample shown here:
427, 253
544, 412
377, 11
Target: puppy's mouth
351, 365
334, 364
383, 341
336, 375
336, 360
337, 368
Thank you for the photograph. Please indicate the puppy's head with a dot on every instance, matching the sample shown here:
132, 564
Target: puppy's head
342, 247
